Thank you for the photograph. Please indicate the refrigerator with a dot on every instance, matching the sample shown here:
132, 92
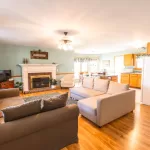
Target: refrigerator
145, 91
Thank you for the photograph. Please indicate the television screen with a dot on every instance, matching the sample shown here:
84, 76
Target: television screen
5, 75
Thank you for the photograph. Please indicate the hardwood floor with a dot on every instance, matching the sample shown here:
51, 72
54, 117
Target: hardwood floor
131, 132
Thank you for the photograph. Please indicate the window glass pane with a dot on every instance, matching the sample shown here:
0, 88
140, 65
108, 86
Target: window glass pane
77, 69
139, 62
84, 67
93, 66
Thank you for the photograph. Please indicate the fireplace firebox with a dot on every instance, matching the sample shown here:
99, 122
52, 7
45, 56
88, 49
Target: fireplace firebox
40, 82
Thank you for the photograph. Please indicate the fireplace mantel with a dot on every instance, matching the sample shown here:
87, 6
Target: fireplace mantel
26, 65
36, 68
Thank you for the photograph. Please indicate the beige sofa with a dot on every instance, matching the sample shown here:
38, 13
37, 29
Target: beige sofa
102, 101
51, 130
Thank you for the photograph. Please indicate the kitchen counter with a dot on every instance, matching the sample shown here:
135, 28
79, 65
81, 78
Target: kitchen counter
131, 73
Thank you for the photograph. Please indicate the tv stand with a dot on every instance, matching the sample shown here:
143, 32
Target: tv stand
7, 85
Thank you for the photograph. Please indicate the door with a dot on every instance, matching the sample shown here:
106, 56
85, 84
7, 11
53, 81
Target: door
146, 81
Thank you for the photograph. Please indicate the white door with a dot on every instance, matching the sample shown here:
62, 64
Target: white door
146, 81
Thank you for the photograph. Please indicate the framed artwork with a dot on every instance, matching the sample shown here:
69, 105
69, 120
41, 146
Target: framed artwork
38, 55
106, 63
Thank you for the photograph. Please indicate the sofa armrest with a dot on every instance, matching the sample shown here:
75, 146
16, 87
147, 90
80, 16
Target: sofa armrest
115, 106
4, 93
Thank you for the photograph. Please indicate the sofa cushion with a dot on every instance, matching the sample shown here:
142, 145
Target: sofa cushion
115, 87
88, 83
89, 105
54, 102
85, 92
20, 111
101, 85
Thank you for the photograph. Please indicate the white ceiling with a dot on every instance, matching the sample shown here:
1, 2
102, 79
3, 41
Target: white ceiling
102, 25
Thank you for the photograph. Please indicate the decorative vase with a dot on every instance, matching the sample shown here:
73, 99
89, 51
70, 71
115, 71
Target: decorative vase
24, 60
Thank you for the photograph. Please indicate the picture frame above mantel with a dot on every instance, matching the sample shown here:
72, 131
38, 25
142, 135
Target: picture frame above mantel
38, 55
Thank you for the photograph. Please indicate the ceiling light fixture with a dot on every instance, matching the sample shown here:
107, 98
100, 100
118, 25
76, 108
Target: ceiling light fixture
65, 43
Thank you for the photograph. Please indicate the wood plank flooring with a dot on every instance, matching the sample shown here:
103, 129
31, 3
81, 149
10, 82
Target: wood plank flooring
131, 132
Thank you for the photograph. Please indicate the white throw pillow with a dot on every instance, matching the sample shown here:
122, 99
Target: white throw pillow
88, 83
101, 85
115, 87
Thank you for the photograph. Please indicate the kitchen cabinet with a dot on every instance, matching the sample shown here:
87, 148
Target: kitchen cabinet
133, 79
111, 77
148, 48
139, 81
125, 78
114, 78
129, 60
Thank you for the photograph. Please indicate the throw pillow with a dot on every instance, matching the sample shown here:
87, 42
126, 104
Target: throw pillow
20, 111
115, 87
54, 102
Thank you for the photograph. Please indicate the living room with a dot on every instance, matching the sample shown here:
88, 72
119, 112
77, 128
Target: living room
74, 75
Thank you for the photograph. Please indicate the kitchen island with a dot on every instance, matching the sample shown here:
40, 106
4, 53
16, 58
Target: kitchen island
111, 77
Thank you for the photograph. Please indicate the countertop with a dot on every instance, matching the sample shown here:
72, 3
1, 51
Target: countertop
109, 75
131, 73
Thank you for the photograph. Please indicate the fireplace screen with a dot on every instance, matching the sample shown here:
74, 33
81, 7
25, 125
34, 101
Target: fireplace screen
40, 82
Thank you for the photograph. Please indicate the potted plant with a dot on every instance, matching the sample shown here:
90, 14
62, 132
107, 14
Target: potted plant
54, 83
19, 85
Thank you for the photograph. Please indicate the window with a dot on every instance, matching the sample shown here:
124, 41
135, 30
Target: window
93, 66
85, 65
139, 62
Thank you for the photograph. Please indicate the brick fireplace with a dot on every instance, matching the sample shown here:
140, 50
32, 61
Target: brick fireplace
36, 76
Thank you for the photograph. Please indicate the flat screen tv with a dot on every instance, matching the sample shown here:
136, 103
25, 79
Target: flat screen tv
5, 75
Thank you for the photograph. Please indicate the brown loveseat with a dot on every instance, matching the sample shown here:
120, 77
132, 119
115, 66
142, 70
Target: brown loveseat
51, 130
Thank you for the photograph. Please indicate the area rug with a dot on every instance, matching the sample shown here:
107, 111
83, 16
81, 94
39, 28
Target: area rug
45, 96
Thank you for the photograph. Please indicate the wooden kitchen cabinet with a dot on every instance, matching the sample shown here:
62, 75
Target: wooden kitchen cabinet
114, 78
139, 81
125, 78
148, 48
111, 78
129, 60
135, 80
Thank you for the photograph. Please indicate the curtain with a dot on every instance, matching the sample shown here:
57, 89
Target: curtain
85, 59
85, 64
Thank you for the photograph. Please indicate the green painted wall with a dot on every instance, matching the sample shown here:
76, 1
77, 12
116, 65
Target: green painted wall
11, 55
